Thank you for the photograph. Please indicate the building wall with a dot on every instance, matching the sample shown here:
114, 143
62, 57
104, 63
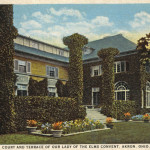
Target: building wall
38, 72
131, 77
38, 68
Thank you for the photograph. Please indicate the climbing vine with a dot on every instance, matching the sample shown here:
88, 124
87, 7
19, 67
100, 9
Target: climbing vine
107, 56
75, 43
7, 33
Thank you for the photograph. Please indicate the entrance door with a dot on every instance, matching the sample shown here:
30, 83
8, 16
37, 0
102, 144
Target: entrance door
96, 98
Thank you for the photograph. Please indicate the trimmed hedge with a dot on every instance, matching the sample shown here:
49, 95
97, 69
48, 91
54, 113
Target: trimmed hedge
46, 109
120, 107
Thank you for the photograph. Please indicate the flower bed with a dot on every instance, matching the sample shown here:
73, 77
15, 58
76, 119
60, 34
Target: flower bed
71, 127
140, 117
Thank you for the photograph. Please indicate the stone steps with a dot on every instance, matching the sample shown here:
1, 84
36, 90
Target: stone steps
96, 115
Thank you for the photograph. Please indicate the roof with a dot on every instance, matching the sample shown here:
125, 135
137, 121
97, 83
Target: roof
42, 42
36, 52
117, 41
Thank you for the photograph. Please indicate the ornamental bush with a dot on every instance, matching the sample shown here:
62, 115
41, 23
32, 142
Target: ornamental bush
107, 56
7, 33
120, 107
38, 88
75, 43
46, 109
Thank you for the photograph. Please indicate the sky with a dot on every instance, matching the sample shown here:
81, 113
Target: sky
51, 22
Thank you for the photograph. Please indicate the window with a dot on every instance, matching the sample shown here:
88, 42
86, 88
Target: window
96, 70
61, 52
22, 66
148, 94
52, 71
121, 91
121, 66
21, 90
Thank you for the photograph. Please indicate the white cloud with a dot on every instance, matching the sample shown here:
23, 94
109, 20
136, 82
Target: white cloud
141, 20
43, 17
101, 21
67, 12
24, 17
30, 24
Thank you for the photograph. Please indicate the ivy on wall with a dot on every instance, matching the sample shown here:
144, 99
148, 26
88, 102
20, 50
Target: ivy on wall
107, 56
38, 88
75, 43
7, 33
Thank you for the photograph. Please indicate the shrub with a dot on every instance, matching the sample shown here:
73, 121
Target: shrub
7, 33
46, 109
38, 88
75, 43
121, 107
108, 96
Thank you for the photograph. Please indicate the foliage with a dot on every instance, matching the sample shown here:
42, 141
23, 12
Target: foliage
146, 117
107, 56
72, 126
46, 128
144, 49
45, 109
57, 126
38, 88
7, 33
32, 123
60, 88
137, 118
120, 106
75, 43
109, 120
79, 125
127, 115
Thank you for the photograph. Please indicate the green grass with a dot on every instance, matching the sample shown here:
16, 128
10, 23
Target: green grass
123, 132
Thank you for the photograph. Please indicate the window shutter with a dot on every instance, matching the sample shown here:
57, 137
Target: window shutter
47, 70
16, 66
56, 72
127, 66
28, 67
122, 66
91, 71
100, 70
114, 67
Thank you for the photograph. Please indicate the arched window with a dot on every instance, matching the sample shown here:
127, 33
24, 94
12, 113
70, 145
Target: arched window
121, 91
148, 94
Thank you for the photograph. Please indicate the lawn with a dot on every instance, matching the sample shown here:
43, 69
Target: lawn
123, 132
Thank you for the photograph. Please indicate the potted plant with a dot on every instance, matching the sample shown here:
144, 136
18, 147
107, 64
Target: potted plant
109, 122
127, 116
32, 125
57, 129
146, 117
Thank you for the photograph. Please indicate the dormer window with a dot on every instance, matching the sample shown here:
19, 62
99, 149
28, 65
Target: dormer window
87, 50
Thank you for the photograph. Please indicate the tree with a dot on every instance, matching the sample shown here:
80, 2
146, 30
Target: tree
60, 86
75, 43
144, 49
38, 88
7, 33
108, 96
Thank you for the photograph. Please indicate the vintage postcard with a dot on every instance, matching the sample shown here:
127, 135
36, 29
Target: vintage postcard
74, 74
